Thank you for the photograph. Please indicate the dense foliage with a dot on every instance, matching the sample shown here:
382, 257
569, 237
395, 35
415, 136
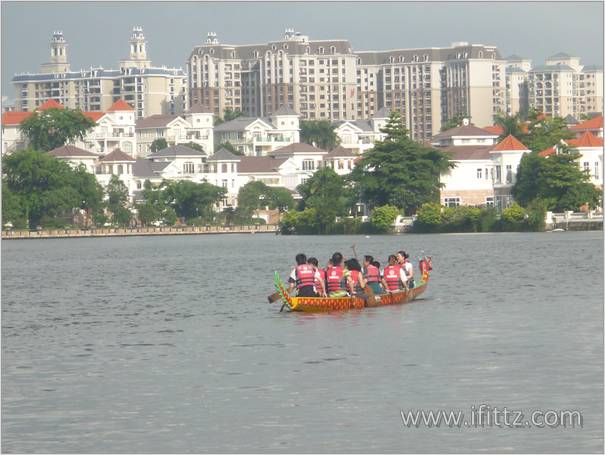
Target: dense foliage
557, 180
46, 130
399, 171
454, 121
158, 144
38, 189
318, 132
432, 217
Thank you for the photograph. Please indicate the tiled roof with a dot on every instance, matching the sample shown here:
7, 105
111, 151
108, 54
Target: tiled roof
14, 117
176, 150
223, 154
94, 116
297, 147
50, 104
464, 130
551, 68
547, 152
200, 109
120, 105
570, 120
117, 156
72, 152
285, 110
238, 124
363, 125
586, 140
510, 142
560, 55
155, 121
340, 152
144, 167
468, 152
259, 164
496, 130
592, 124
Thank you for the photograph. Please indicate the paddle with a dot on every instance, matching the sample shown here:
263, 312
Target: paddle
371, 301
274, 297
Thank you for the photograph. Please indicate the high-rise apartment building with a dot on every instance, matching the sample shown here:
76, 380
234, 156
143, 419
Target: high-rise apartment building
564, 87
150, 90
328, 80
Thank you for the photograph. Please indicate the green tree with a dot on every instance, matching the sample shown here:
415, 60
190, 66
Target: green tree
252, 197
318, 132
158, 144
382, 218
454, 121
46, 187
281, 199
193, 200
12, 208
326, 192
399, 171
117, 201
557, 180
52, 128
511, 125
544, 132
231, 114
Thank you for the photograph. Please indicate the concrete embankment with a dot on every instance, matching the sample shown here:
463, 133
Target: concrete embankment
127, 232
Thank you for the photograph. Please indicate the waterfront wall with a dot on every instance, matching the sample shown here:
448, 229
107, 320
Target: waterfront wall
127, 232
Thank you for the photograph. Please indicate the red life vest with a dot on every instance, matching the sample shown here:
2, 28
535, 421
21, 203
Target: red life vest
423, 266
391, 276
335, 279
305, 275
373, 274
355, 274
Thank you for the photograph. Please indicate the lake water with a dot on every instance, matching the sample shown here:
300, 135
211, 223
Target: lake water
168, 344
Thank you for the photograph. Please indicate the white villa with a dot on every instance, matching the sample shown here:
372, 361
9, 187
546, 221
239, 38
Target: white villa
260, 136
195, 126
360, 135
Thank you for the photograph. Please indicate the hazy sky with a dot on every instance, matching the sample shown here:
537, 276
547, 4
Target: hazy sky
97, 32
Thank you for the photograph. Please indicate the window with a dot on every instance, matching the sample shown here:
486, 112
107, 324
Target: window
596, 170
120, 169
308, 165
486, 174
225, 183
188, 167
479, 173
499, 174
586, 167
452, 201
489, 201
224, 168
509, 173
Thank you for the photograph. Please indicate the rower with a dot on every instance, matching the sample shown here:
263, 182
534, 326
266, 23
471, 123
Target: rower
394, 277
320, 286
372, 274
336, 277
303, 277
357, 282
404, 261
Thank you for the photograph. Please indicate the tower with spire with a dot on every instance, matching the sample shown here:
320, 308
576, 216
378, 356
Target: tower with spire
58, 55
137, 57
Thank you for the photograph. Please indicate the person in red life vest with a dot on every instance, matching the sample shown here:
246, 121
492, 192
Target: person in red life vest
320, 286
357, 282
372, 274
303, 277
337, 278
394, 277
404, 261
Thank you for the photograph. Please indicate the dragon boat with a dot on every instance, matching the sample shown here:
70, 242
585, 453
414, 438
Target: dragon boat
326, 304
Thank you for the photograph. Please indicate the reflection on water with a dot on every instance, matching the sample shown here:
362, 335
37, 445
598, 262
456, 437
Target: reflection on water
168, 345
